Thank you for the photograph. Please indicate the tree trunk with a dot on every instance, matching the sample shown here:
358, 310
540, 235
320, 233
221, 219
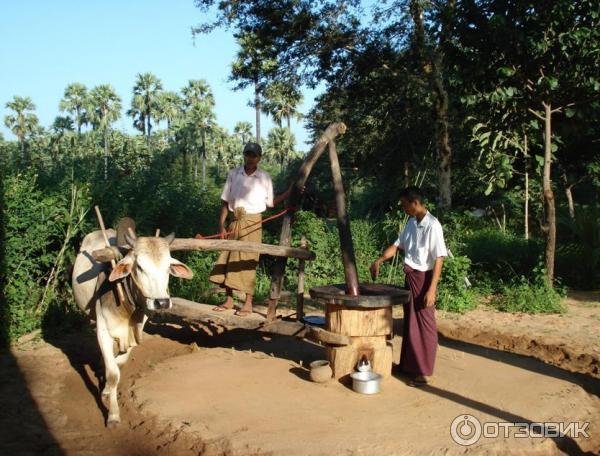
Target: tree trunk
432, 67
195, 165
149, 129
569, 193
257, 108
289, 127
550, 227
106, 154
203, 159
78, 114
525, 153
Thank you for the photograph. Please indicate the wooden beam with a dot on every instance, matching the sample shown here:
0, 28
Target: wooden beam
110, 253
194, 312
241, 246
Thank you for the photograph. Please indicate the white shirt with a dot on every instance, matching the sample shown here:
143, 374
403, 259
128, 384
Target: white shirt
253, 192
422, 242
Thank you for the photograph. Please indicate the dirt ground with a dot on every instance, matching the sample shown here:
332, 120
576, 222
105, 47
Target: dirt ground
194, 389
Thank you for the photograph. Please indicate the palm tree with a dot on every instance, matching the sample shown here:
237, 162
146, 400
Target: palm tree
198, 102
74, 101
252, 67
61, 126
23, 122
105, 108
280, 145
243, 130
281, 102
169, 107
144, 105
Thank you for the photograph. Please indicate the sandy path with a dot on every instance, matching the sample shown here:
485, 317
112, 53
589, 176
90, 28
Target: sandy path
186, 392
242, 400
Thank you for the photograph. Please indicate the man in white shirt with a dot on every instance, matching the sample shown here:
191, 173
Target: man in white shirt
422, 241
247, 193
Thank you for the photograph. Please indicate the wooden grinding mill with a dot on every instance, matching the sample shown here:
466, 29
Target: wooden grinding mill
363, 312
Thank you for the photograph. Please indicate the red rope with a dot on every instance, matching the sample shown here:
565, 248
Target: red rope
268, 219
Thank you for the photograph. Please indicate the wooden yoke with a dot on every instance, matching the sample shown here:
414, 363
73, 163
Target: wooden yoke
332, 131
120, 293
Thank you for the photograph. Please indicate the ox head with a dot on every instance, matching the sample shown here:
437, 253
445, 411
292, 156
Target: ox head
148, 264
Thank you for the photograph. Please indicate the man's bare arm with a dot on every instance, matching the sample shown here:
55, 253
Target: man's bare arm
437, 272
223, 218
388, 253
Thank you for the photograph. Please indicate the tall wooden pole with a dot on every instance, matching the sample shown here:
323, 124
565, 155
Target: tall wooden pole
343, 224
329, 134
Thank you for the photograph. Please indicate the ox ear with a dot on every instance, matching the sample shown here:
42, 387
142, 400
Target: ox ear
178, 269
121, 269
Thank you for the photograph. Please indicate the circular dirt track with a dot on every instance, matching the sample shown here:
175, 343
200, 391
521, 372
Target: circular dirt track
237, 393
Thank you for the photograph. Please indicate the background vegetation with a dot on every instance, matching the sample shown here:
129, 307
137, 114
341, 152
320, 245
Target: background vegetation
494, 104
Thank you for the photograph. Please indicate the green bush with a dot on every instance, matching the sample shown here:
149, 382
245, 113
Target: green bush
37, 226
453, 294
498, 258
531, 296
578, 248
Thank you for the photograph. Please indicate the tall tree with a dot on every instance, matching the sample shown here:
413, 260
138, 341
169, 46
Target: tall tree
22, 122
281, 102
105, 108
145, 102
169, 107
243, 131
74, 102
252, 68
280, 146
198, 102
545, 56
429, 47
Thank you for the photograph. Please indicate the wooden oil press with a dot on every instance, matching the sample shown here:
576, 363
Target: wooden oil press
358, 316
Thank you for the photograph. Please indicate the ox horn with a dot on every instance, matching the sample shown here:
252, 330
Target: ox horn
170, 238
130, 237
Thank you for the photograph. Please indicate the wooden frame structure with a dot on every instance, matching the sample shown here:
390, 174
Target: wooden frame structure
283, 251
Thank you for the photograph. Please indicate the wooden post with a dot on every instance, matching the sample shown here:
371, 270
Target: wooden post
330, 134
343, 224
300, 294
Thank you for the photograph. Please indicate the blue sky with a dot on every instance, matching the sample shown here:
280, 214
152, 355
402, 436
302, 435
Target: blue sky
45, 45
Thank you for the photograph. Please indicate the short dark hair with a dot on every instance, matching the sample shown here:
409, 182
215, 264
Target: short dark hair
412, 194
253, 148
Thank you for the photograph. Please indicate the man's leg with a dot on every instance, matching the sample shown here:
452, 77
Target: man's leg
246, 309
228, 304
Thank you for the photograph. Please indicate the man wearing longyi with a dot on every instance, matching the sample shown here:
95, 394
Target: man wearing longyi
422, 242
247, 193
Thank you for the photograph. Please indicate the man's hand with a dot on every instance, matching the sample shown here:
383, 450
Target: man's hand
429, 300
223, 232
375, 269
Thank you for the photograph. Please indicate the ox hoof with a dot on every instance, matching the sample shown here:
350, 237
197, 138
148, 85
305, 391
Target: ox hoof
113, 422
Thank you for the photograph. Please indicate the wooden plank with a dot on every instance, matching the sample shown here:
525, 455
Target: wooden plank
298, 329
195, 312
241, 246
328, 135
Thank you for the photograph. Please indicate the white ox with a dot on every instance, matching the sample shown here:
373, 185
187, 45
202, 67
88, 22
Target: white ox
144, 272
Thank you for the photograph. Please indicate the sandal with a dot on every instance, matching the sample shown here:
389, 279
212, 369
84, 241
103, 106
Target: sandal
242, 313
221, 308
